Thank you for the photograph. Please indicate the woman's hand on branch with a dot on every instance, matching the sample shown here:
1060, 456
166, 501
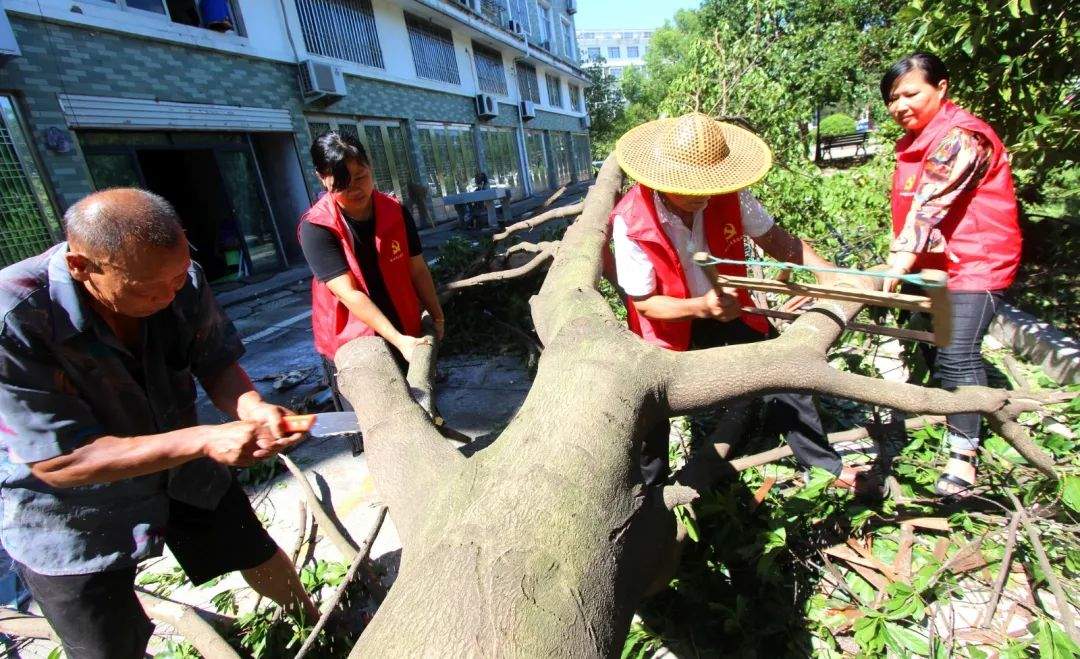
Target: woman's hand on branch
406, 344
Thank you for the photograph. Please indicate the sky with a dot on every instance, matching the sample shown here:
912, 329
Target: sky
630, 14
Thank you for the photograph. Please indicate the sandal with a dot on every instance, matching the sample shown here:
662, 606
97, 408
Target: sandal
951, 479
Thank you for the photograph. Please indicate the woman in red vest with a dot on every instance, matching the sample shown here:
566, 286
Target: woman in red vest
953, 209
692, 173
364, 250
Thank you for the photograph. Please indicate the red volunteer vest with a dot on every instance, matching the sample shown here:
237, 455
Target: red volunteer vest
724, 234
331, 322
982, 235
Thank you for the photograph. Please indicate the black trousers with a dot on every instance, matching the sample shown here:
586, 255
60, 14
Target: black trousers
98, 616
793, 415
960, 363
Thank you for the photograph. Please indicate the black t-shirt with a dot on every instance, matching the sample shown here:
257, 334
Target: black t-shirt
327, 260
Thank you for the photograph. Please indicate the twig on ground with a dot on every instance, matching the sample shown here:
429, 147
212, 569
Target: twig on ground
1063, 605
499, 275
553, 214
361, 556
345, 546
1003, 574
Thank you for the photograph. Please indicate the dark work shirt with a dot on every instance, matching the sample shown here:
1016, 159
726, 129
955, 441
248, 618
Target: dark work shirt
327, 259
65, 380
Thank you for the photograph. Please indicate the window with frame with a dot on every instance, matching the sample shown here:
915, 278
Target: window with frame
546, 27
594, 54
615, 71
567, 39
575, 97
433, 50
528, 83
341, 29
588, 35
490, 74
613, 52
218, 15
632, 52
554, 90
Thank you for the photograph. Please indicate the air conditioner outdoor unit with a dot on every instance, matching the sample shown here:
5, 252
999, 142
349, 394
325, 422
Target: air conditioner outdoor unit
571, 7
528, 110
486, 106
516, 27
320, 79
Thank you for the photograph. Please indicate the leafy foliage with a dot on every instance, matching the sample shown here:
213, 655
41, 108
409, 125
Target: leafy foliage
837, 124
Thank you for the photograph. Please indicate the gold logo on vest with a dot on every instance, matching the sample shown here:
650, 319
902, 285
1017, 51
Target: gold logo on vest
909, 183
395, 250
729, 231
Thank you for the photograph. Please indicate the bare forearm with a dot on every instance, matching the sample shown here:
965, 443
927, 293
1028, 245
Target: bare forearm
425, 287
230, 390
361, 306
109, 458
663, 307
782, 246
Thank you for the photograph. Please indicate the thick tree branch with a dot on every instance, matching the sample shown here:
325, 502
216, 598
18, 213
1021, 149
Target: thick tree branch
570, 288
407, 456
533, 222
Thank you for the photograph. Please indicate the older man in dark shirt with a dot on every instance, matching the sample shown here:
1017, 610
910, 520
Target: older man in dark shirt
101, 339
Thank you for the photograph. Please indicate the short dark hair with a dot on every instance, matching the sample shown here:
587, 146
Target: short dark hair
115, 219
931, 65
331, 153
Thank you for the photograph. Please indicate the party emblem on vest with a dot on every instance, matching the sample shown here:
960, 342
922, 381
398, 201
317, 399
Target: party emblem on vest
395, 249
909, 183
729, 231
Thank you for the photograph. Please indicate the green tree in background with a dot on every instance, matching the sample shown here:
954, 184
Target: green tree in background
1013, 63
604, 101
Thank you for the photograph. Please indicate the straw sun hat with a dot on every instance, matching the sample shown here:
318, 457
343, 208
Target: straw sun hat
693, 155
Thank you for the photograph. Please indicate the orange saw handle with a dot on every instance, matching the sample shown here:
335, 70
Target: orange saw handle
297, 422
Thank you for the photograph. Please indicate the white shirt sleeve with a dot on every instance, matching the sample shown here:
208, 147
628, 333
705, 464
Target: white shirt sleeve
756, 221
632, 267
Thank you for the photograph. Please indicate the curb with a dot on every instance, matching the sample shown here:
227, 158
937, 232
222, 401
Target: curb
1040, 343
275, 283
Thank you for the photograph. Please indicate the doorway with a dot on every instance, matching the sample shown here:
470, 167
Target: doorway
213, 184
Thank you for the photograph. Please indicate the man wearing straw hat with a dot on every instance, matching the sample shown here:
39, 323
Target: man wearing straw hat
692, 173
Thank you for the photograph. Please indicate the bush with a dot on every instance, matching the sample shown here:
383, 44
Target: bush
837, 124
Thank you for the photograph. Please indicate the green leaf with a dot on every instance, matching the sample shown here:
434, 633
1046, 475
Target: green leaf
56, 653
1028, 7
1014, 8
906, 642
1053, 642
1070, 492
682, 513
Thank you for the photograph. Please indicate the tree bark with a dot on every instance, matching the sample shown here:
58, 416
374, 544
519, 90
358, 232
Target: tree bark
543, 543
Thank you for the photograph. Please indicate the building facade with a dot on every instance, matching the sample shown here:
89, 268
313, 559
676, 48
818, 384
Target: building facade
619, 49
213, 104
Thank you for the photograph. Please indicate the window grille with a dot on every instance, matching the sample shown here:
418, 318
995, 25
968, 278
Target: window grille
613, 52
490, 73
594, 54
432, 50
575, 98
632, 51
342, 29
24, 230
528, 84
554, 90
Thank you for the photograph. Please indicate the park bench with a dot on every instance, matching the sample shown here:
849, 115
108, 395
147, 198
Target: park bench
462, 202
857, 140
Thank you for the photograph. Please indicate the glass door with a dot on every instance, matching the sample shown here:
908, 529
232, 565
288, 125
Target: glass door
537, 160
500, 152
251, 218
27, 223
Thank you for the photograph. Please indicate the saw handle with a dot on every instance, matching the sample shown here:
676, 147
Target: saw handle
291, 423
701, 259
940, 306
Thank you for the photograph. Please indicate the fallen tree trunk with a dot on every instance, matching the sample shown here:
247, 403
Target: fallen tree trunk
543, 543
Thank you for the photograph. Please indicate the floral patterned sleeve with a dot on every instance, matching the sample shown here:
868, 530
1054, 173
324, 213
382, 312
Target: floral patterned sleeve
956, 166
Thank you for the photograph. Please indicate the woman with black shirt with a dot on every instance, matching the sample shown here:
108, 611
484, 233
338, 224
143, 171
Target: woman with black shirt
364, 250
